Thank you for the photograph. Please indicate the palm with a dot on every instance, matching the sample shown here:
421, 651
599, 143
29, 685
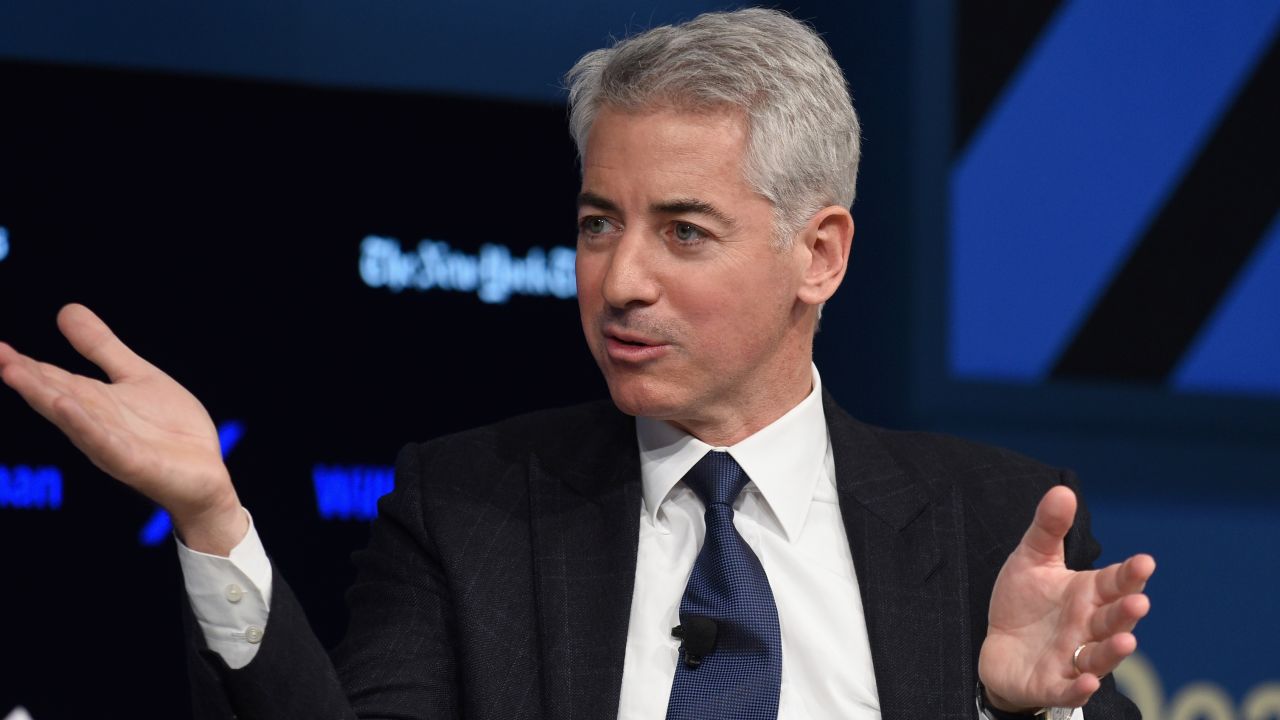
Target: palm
1041, 611
142, 428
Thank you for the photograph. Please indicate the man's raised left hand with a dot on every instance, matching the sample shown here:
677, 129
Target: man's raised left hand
1042, 611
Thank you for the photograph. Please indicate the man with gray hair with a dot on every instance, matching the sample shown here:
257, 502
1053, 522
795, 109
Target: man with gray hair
720, 541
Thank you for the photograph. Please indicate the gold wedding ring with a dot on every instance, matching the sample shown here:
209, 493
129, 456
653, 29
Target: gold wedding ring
1075, 659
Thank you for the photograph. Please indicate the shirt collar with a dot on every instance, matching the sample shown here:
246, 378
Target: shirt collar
784, 459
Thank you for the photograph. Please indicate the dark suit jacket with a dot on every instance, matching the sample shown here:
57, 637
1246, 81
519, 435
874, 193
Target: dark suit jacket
498, 579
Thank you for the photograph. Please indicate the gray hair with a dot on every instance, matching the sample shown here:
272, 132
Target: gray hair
803, 136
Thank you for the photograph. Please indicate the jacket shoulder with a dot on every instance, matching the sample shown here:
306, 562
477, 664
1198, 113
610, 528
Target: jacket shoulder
988, 481
557, 437
926, 456
998, 489
940, 455
994, 483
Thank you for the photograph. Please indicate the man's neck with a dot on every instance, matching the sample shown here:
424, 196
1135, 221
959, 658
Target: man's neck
733, 425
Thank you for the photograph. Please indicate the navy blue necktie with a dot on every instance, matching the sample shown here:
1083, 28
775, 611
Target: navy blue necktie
741, 677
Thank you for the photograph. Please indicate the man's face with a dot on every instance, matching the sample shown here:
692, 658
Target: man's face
688, 307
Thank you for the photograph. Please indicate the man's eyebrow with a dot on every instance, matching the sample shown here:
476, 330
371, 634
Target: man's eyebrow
675, 206
590, 199
679, 206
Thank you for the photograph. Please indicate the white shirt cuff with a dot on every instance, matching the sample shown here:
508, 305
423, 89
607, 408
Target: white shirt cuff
1076, 713
231, 596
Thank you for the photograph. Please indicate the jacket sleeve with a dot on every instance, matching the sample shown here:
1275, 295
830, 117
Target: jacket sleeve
396, 659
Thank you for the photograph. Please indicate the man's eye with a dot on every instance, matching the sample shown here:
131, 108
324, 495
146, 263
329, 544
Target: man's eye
595, 225
688, 233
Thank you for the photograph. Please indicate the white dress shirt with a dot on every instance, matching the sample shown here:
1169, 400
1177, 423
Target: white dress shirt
790, 517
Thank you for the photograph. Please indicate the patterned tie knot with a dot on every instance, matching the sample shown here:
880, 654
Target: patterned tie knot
717, 478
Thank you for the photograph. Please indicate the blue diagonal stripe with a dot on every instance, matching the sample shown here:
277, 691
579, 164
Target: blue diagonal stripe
1074, 160
1238, 350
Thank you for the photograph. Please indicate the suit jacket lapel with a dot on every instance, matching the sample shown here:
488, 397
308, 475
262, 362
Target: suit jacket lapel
585, 509
907, 555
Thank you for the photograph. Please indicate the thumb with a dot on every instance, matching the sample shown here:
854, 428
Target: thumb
93, 339
1054, 516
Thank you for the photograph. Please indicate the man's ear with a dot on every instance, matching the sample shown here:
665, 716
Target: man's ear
827, 239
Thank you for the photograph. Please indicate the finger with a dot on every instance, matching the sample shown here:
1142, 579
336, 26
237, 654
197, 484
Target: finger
1131, 576
39, 385
1054, 516
25, 378
56, 375
10, 356
93, 339
1081, 689
1100, 658
44, 386
45, 373
1119, 616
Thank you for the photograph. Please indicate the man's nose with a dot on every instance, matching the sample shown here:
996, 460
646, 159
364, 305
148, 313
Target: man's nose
630, 278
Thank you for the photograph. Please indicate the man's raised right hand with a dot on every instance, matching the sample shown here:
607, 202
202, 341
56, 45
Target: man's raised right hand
142, 428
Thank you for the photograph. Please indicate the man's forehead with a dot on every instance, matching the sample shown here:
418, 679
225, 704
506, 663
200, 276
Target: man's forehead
665, 131
663, 157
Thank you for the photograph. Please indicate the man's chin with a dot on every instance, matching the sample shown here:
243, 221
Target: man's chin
634, 406
641, 398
